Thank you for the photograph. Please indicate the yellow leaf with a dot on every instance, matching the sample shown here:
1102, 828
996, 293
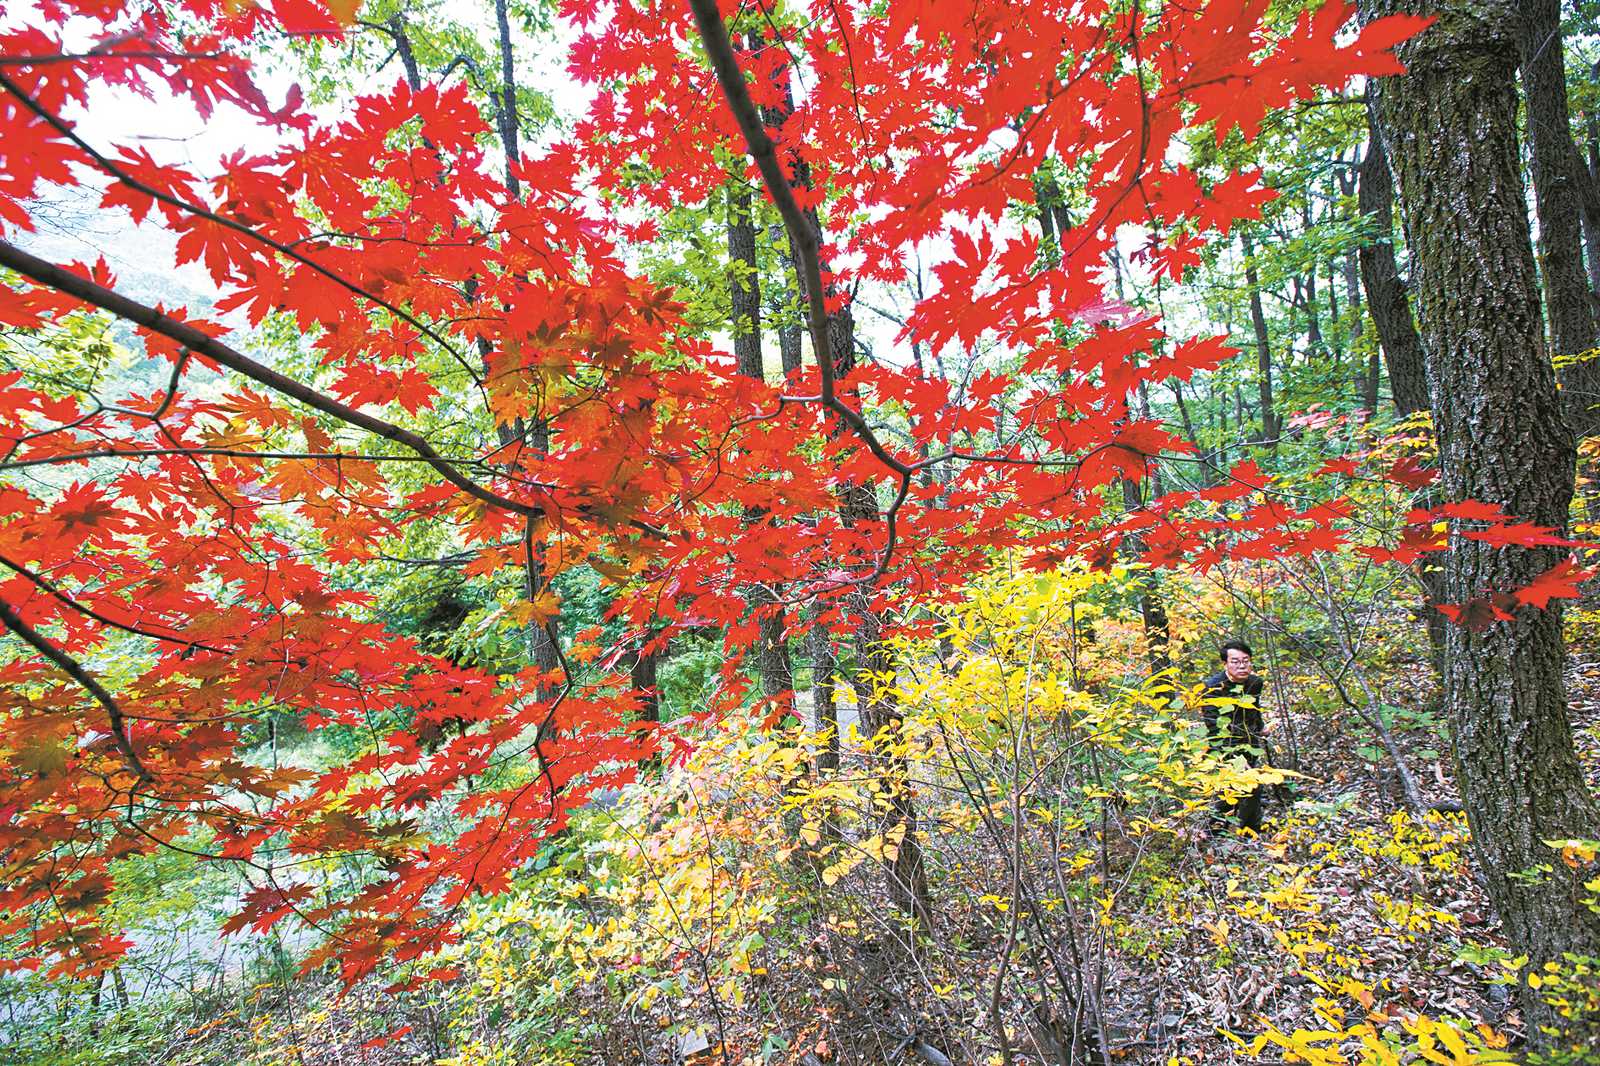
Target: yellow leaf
344, 10
541, 609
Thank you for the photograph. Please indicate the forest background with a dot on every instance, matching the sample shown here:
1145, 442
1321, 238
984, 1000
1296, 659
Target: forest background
642, 533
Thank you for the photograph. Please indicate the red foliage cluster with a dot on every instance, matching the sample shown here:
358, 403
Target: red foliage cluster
209, 524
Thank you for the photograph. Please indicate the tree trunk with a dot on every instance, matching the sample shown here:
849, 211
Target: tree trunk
535, 435
879, 713
1314, 342
507, 111
744, 283
881, 719
1386, 292
1397, 336
1591, 217
1051, 210
744, 291
1451, 127
1152, 610
643, 676
1557, 172
908, 887
824, 712
1258, 319
1372, 375
789, 331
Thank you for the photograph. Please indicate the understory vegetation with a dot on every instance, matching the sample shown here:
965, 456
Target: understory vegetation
1082, 898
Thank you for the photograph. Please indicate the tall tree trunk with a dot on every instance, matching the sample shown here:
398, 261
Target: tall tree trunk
880, 714
1397, 334
772, 646
1152, 609
516, 438
744, 281
1051, 209
1372, 375
1313, 323
1557, 174
1450, 126
1207, 473
1386, 292
908, 886
507, 111
533, 437
643, 675
1337, 344
1258, 320
824, 711
789, 331
1591, 217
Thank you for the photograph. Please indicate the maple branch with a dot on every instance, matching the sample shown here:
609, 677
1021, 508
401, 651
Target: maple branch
125, 178
73, 669
235, 453
803, 235
62, 280
805, 241
47, 586
78, 57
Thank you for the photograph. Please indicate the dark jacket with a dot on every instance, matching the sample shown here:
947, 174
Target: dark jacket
1233, 725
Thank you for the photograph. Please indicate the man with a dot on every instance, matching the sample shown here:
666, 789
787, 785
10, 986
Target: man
1231, 706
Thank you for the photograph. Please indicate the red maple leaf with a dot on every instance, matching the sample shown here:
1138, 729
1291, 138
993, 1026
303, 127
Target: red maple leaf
1561, 581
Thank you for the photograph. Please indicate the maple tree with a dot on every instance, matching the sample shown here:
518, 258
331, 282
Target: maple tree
481, 358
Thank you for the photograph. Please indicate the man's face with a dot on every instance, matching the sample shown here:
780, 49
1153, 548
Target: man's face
1237, 665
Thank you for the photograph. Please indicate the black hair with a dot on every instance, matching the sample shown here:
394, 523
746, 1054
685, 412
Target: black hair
1234, 645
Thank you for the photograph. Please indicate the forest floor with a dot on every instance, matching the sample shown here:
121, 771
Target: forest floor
1342, 910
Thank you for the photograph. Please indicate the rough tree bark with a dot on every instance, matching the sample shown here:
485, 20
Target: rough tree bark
744, 281
643, 675
1591, 210
1258, 320
1450, 125
789, 331
1386, 290
1557, 171
1397, 333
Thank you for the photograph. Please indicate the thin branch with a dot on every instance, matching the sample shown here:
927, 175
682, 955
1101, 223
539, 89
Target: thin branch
62, 280
719, 49
73, 669
230, 453
45, 584
77, 57
121, 175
